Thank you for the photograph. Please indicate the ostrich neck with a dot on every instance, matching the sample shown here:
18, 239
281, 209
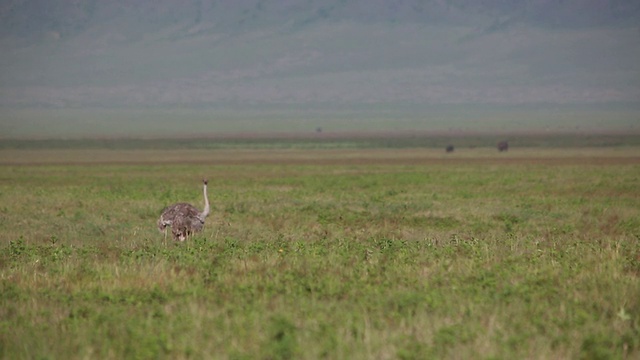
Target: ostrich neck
206, 210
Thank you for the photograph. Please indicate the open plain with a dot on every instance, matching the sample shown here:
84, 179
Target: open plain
324, 252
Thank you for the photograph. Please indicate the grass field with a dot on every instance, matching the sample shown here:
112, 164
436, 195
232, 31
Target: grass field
171, 122
374, 253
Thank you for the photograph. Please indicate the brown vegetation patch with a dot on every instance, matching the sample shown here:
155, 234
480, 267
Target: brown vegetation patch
480, 156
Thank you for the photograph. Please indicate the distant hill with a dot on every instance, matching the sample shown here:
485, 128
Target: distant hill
117, 53
33, 18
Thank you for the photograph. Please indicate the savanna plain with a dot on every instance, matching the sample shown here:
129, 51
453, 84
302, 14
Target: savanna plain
356, 253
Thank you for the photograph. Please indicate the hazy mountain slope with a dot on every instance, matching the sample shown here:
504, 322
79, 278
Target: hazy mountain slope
200, 53
69, 17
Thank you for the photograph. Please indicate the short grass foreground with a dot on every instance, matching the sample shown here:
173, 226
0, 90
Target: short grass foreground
467, 259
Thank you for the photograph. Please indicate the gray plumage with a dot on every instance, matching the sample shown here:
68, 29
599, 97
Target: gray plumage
184, 219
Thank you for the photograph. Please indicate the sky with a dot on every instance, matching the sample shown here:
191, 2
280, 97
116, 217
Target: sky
407, 56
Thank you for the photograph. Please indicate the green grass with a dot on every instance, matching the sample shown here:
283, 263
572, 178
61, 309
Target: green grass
479, 258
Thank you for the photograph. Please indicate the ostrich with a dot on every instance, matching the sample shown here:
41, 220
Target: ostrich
184, 219
503, 146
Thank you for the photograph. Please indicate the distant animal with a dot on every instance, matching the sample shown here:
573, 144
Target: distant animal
503, 146
449, 148
184, 219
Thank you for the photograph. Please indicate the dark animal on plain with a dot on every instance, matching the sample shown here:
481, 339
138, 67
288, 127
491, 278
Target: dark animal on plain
183, 218
503, 146
449, 148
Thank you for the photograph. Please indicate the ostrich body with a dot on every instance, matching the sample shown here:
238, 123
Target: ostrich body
184, 219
